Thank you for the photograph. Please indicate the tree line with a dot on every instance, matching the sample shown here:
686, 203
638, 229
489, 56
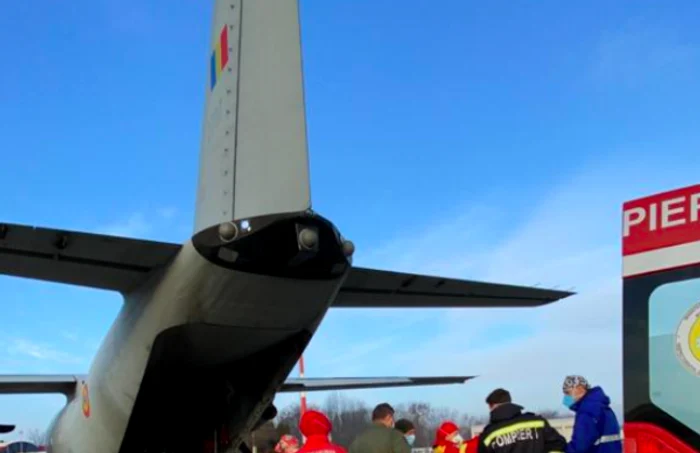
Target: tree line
350, 417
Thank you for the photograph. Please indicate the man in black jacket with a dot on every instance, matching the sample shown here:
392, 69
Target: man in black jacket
510, 430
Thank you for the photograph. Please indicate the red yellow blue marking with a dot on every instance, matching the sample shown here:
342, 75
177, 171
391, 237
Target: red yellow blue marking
86, 400
219, 57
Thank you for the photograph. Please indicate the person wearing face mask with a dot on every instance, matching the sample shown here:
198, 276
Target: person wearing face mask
381, 437
406, 428
596, 429
448, 439
510, 430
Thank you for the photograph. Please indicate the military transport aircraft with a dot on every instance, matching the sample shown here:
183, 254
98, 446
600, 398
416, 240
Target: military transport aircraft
210, 329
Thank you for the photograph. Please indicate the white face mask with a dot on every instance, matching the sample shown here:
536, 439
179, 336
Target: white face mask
411, 439
457, 439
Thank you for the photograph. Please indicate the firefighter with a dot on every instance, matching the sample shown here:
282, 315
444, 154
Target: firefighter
316, 427
513, 431
449, 440
287, 444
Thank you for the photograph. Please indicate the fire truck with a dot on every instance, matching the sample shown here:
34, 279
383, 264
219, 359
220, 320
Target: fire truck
661, 322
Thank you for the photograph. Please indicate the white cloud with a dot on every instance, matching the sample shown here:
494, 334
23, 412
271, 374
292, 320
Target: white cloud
639, 51
129, 18
89, 345
408, 251
570, 240
70, 336
134, 226
357, 351
167, 213
41, 351
159, 224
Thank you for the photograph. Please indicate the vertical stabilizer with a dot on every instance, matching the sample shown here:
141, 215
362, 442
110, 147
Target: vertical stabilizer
254, 157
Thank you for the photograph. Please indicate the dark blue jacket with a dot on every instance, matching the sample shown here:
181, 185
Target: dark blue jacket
596, 429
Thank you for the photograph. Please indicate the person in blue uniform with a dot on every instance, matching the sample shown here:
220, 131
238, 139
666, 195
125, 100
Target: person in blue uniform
596, 429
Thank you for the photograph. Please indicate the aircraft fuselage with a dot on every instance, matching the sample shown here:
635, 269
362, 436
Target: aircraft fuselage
195, 336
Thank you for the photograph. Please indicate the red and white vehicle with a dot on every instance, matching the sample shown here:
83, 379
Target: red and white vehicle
661, 322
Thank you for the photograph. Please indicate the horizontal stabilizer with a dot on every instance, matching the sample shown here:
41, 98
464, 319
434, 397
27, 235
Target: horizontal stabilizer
371, 288
65, 383
37, 383
4, 429
324, 384
84, 259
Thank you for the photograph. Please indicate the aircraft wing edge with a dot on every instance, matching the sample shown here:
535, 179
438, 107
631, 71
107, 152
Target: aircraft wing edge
38, 383
373, 288
340, 383
84, 259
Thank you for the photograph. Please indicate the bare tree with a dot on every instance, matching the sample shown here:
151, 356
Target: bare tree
420, 414
37, 436
349, 417
287, 420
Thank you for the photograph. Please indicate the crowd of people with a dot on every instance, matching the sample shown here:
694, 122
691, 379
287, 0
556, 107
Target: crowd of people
510, 429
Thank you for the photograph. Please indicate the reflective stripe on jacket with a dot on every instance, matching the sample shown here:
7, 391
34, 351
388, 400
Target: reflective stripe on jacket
596, 429
513, 431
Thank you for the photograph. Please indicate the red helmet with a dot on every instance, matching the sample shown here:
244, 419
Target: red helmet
314, 423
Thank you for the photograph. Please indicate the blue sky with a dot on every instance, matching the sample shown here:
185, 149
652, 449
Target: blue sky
482, 140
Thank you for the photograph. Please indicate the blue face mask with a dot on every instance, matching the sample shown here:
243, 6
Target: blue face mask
410, 438
568, 401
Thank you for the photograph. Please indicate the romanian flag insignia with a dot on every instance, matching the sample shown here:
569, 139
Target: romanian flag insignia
219, 56
86, 400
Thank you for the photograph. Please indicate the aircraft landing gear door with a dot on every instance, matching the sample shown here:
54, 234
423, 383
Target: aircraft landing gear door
661, 321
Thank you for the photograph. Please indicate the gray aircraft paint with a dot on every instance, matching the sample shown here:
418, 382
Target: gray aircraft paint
190, 290
253, 158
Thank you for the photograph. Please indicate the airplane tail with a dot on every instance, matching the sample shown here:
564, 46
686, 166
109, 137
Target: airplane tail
253, 158
253, 164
